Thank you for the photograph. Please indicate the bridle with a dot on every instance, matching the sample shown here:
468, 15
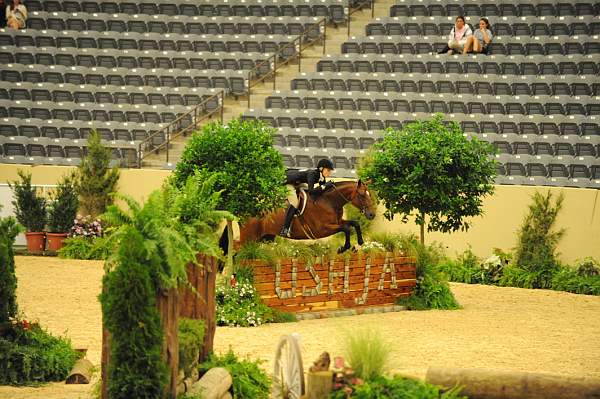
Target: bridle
355, 193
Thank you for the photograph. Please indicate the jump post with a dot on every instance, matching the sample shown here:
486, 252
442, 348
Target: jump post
172, 305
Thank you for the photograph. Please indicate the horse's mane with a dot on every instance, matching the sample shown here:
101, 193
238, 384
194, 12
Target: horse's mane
338, 184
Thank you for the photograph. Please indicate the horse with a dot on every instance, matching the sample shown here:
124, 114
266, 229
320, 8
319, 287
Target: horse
322, 217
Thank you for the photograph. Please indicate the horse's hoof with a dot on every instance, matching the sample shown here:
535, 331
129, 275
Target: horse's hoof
342, 249
356, 247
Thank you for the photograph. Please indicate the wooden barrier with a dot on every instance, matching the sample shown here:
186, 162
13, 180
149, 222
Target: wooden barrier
333, 283
172, 305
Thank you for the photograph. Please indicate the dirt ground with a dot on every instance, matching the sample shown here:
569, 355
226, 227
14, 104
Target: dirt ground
501, 328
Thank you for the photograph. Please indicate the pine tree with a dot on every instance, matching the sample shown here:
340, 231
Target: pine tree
95, 180
9, 228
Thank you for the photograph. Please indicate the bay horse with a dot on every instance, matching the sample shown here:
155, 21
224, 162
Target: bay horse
322, 217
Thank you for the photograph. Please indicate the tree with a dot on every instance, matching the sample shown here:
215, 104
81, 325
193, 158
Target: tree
537, 242
95, 181
30, 209
431, 169
9, 228
250, 172
63, 208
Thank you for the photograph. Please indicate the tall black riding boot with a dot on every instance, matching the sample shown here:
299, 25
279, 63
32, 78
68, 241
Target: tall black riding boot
289, 214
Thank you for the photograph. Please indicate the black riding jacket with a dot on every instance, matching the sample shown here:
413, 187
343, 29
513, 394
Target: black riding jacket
308, 176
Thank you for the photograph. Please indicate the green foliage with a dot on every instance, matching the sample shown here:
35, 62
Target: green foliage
249, 380
9, 228
537, 242
191, 339
430, 168
396, 242
397, 387
29, 355
129, 312
588, 267
279, 316
87, 248
468, 268
249, 170
151, 245
432, 290
173, 227
367, 352
95, 181
30, 209
567, 279
63, 208
240, 306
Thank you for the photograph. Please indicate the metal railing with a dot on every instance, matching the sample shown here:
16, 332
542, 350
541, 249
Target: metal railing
285, 54
359, 6
183, 125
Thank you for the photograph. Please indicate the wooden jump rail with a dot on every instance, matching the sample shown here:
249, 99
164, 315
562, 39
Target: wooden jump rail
180, 126
328, 283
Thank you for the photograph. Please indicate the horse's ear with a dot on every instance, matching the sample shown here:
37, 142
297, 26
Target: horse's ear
359, 182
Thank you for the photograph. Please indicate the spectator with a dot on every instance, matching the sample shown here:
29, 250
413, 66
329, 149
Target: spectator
16, 15
478, 43
458, 36
2, 14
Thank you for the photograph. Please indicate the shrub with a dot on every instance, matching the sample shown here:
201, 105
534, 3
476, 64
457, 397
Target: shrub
468, 268
95, 181
367, 353
537, 242
63, 208
588, 267
85, 248
397, 387
432, 290
191, 339
567, 279
240, 306
29, 355
30, 209
249, 380
129, 312
9, 228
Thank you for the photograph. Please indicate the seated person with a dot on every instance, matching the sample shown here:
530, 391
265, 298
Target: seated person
16, 15
458, 36
478, 43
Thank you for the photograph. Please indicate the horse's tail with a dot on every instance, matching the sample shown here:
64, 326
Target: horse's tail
224, 245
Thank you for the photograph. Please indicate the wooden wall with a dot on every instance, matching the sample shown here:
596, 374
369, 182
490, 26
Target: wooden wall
334, 283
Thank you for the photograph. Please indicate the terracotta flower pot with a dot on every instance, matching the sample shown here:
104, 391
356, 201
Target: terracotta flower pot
55, 241
36, 242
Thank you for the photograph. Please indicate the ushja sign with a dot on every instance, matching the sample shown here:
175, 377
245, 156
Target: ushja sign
340, 282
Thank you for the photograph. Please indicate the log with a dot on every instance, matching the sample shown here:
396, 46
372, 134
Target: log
213, 384
495, 384
81, 373
319, 384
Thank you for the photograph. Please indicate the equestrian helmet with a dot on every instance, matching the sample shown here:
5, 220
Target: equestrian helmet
325, 163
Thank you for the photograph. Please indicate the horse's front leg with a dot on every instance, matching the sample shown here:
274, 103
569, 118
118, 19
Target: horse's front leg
346, 229
356, 225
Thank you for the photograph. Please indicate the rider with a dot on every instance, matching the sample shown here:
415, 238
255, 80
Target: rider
304, 179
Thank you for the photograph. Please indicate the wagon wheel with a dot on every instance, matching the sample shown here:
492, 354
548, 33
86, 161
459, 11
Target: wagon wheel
288, 373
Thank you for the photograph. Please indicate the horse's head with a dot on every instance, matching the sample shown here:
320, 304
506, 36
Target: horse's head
361, 198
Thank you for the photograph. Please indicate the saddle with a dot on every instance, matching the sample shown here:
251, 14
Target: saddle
302, 201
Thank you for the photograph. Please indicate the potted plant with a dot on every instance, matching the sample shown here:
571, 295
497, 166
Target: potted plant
30, 210
61, 212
